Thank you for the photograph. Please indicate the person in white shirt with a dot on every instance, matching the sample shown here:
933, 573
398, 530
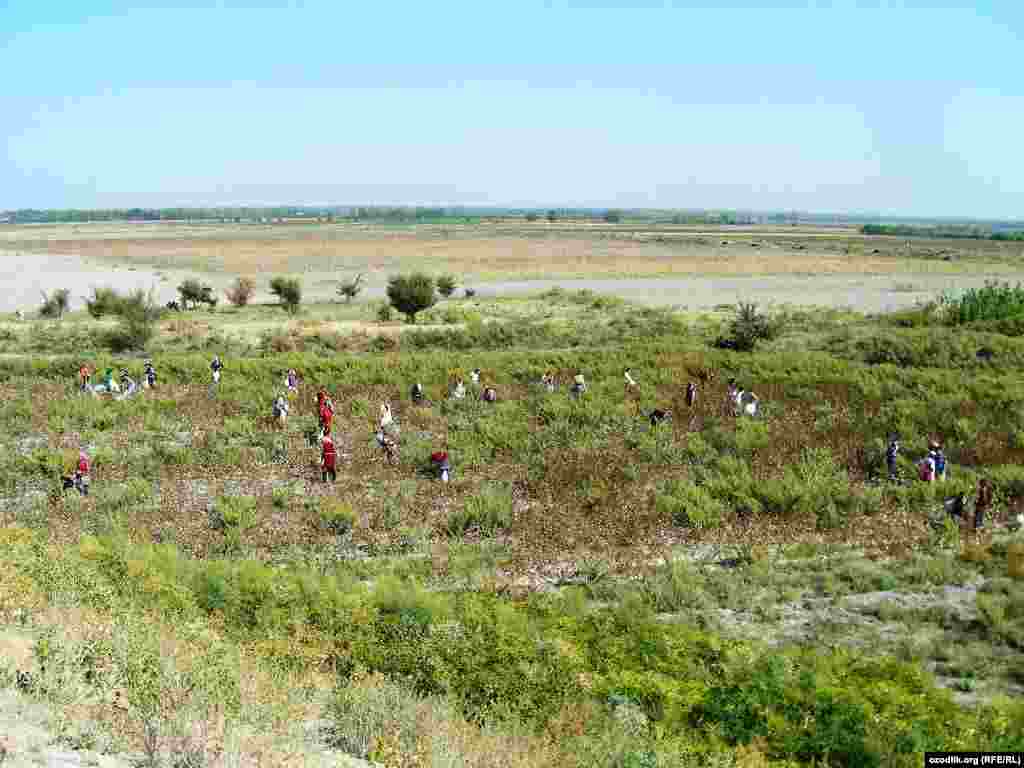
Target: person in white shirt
631, 386
747, 403
281, 408
387, 419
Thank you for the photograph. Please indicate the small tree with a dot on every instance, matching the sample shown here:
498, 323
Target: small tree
532, 217
470, 292
351, 288
195, 293
56, 304
104, 301
446, 285
613, 217
241, 292
747, 329
552, 215
139, 314
288, 291
410, 294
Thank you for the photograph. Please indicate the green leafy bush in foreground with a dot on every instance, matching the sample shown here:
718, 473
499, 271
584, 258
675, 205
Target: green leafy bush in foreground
530, 661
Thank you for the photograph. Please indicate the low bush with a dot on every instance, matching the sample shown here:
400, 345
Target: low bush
994, 301
490, 510
351, 288
748, 329
55, 304
241, 291
138, 314
446, 285
104, 301
194, 293
411, 294
337, 517
288, 291
689, 505
233, 512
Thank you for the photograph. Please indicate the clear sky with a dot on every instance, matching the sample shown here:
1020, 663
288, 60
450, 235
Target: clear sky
885, 107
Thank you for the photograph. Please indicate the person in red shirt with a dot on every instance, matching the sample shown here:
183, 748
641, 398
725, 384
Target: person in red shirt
82, 474
328, 460
326, 417
83, 377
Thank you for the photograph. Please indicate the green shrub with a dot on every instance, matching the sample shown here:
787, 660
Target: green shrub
194, 293
490, 510
138, 313
233, 512
351, 288
104, 301
411, 294
689, 505
748, 329
384, 313
288, 291
994, 301
363, 712
337, 517
279, 497
56, 303
446, 285
731, 482
408, 602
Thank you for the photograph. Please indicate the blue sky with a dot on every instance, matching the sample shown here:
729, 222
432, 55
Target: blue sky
891, 108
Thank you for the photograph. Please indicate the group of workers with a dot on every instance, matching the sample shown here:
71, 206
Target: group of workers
121, 388
932, 469
740, 401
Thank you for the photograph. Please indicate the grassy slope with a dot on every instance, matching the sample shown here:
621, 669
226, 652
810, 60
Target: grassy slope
590, 503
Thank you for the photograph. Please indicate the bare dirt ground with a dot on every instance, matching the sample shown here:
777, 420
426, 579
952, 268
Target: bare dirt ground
24, 276
664, 265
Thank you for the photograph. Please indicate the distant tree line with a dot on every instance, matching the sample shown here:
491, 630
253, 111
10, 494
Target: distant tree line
963, 231
232, 214
466, 215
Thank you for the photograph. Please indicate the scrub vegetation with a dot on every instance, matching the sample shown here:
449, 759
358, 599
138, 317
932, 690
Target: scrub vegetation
588, 590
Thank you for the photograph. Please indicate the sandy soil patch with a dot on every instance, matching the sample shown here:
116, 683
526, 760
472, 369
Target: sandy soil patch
24, 276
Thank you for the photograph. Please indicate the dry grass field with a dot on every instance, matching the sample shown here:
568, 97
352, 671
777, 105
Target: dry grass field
490, 252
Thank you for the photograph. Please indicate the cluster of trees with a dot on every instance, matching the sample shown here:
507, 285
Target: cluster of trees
370, 213
55, 216
408, 294
412, 294
962, 231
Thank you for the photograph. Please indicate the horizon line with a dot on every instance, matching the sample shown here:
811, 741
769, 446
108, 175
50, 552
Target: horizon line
537, 208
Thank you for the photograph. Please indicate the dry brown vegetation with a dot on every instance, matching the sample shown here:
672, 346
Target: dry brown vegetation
488, 251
